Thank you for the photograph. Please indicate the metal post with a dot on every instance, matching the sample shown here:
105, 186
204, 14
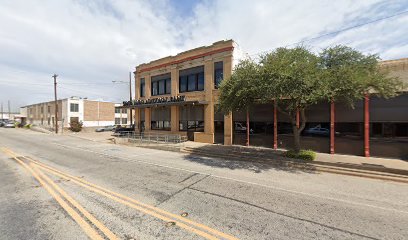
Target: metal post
9, 111
130, 99
56, 103
332, 130
275, 126
366, 126
247, 128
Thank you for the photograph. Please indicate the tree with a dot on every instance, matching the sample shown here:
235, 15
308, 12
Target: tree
241, 90
350, 75
292, 78
75, 126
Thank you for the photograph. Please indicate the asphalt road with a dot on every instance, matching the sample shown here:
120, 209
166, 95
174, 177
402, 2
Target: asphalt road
63, 187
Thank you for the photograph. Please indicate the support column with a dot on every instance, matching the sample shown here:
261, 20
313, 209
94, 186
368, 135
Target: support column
228, 129
366, 126
275, 126
209, 108
174, 81
148, 127
136, 118
175, 119
332, 130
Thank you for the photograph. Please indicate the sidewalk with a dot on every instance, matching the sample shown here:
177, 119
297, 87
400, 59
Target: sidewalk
268, 155
323, 160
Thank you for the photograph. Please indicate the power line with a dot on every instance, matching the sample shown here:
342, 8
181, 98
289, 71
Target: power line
339, 31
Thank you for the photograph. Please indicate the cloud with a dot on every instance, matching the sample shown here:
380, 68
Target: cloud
89, 43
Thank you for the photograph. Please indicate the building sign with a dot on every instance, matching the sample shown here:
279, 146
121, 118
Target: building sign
154, 101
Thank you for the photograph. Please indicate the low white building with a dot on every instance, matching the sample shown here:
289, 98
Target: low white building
92, 113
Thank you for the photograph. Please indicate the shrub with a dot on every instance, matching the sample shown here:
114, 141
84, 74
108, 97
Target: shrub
307, 155
28, 126
75, 126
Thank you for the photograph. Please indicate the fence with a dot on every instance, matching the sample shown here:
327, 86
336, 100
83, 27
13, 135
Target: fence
174, 142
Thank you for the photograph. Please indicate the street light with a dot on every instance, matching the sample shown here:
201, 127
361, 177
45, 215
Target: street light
130, 95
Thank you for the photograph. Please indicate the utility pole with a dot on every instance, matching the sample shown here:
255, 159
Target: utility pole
9, 111
55, 102
130, 99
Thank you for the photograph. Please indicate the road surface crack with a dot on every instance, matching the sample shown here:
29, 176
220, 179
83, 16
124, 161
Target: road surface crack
179, 191
282, 214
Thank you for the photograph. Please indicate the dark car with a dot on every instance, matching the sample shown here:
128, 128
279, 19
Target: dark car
122, 131
106, 128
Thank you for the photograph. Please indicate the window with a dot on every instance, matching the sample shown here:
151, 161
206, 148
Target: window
142, 87
124, 120
183, 84
191, 118
161, 118
49, 109
168, 86
161, 84
42, 110
218, 73
117, 121
192, 79
124, 110
74, 107
117, 110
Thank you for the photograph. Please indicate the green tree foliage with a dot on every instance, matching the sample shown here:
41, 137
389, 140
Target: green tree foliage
349, 75
241, 90
75, 126
297, 78
292, 78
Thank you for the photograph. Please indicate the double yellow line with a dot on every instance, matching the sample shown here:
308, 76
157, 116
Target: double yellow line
34, 167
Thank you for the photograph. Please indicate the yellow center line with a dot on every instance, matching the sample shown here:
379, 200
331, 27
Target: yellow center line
92, 234
73, 202
109, 192
154, 214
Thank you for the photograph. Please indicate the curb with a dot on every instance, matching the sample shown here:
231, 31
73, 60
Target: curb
329, 168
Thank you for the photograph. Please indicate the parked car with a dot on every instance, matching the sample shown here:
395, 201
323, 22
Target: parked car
9, 125
319, 131
106, 128
122, 131
2, 123
239, 127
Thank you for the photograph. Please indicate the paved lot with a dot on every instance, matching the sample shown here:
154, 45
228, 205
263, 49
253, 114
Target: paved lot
137, 193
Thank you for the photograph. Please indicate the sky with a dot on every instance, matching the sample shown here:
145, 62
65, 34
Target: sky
90, 43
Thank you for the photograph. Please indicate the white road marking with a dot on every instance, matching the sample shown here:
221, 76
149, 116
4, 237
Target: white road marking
236, 180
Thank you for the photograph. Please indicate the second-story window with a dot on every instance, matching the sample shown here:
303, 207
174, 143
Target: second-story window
117, 110
161, 84
218, 73
191, 79
142, 87
74, 107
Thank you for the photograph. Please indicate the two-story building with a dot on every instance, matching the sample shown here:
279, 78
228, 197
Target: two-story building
178, 94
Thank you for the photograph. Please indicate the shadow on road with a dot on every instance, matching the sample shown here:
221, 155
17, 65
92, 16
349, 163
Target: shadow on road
239, 157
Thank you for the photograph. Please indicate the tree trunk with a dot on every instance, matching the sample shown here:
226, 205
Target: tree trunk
296, 139
298, 125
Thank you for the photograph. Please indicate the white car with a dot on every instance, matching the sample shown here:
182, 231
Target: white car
9, 125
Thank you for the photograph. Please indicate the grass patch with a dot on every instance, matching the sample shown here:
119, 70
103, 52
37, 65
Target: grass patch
307, 155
